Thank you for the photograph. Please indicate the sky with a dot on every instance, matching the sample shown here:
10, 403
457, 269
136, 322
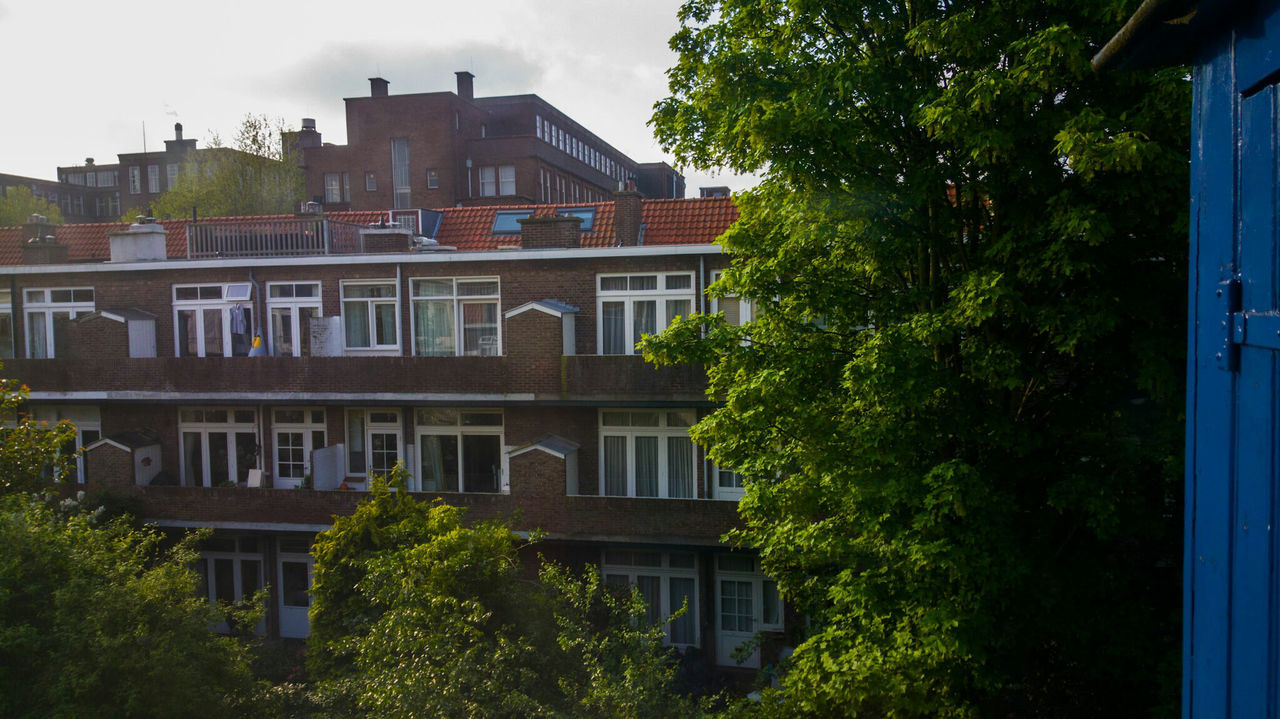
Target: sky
84, 77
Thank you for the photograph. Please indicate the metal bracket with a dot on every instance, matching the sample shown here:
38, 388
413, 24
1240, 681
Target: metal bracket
1227, 298
1260, 330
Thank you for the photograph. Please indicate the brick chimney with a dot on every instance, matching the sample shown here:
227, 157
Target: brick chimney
466, 85
177, 131
558, 231
41, 248
626, 216
378, 87
142, 242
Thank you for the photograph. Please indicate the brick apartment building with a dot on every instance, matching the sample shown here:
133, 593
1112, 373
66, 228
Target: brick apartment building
444, 149
495, 360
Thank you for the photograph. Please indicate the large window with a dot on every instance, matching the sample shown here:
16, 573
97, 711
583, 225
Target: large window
632, 306
374, 439
370, 315
291, 306
456, 316
153, 179
135, 180
172, 170
213, 320
219, 445
460, 450
729, 484
666, 580
230, 571
88, 424
746, 602
6, 324
337, 187
647, 453
400, 172
497, 180
298, 432
737, 311
48, 311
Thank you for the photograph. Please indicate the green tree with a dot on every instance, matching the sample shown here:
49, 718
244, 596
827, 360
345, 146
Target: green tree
256, 175
98, 619
31, 452
17, 204
417, 615
958, 407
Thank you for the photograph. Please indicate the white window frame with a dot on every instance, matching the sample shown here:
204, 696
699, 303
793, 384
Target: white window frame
204, 425
172, 170
746, 308
506, 180
666, 429
488, 182
614, 563
6, 325
135, 180
332, 187
369, 428
430, 422
400, 193
488, 345
230, 295
87, 420
153, 179
40, 305
237, 557
371, 315
293, 305
660, 295
307, 428
759, 584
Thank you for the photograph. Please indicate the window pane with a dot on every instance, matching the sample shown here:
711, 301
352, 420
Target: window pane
679, 467
644, 282
481, 462
437, 417
293, 584
645, 320
680, 592
433, 288
650, 589
282, 331
613, 320
482, 419
615, 466
729, 306
677, 308
385, 315
305, 315
439, 462
772, 603
646, 466
355, 442
356, 317
384, 451
37, 339
433, 327
679, 282
474, 288
613, 284
480, 328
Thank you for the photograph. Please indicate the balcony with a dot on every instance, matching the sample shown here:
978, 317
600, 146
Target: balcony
685, 521
587, 378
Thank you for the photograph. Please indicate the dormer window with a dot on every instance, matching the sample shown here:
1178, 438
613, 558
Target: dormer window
507, 223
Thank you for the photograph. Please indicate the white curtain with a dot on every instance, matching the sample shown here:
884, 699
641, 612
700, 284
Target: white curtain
645, 321
615, 466
679, 467
433, 320
614, 321
646, 466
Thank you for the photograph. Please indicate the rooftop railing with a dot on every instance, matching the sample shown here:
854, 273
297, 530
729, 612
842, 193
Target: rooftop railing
273, 238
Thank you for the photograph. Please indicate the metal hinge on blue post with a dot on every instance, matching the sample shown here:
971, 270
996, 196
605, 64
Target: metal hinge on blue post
1242, 329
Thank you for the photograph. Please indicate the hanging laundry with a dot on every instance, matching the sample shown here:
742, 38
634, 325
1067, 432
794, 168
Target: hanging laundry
239, 325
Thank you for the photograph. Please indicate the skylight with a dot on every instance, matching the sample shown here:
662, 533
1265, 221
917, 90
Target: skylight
506, 223
588, 215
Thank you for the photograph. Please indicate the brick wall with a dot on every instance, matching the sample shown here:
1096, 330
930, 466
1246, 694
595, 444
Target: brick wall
108, 466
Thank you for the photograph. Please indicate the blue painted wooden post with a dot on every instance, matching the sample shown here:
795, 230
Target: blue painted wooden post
1232, 601
1231, 607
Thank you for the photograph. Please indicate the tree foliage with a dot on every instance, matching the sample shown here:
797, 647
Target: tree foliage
417, 615
98, 619
17, 203
958, 408
254, 176
31, 452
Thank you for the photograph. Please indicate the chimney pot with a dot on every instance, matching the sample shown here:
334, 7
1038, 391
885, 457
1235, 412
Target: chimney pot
88, 161
378, 87
177, 131
466, 85
308, 123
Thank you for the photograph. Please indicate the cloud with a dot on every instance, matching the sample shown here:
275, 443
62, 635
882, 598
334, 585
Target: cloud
340, 70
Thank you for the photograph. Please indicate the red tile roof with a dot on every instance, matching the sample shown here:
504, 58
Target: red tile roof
666, 222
